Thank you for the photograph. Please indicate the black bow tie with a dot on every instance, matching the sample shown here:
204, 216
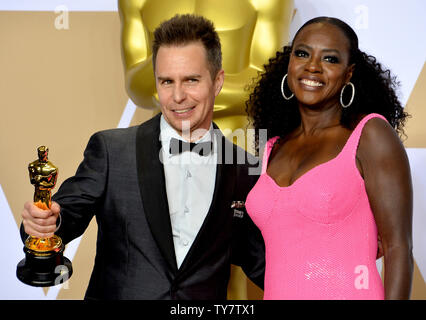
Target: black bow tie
178, 146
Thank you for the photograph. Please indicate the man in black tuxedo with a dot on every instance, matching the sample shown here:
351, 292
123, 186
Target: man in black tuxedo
163, 192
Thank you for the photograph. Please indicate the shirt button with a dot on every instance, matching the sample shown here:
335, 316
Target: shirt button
184, 242
188, 174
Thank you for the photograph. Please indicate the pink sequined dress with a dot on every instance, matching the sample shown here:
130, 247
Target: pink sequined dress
320, 233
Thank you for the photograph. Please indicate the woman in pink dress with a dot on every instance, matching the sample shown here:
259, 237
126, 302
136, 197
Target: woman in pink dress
335, 191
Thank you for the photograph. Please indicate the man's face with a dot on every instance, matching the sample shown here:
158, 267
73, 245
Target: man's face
185, 87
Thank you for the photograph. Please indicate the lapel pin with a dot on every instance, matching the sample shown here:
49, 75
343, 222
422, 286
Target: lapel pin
238, 205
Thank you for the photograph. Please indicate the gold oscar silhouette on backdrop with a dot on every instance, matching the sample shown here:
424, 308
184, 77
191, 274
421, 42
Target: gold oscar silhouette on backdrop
44, 264
251, 31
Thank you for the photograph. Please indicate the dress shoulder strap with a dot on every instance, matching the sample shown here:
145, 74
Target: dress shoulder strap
267, 151
353, 141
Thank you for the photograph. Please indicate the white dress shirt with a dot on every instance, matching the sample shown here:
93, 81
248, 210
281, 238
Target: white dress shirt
190, 181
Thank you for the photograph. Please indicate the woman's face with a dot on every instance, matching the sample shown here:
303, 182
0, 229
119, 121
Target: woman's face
318, 67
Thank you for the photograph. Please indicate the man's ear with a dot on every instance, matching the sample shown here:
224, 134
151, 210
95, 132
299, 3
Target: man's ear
218, 82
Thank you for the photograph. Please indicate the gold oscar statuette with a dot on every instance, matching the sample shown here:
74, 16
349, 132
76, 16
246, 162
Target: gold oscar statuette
44, 264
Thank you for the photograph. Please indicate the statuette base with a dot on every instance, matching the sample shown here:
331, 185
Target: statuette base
46, 270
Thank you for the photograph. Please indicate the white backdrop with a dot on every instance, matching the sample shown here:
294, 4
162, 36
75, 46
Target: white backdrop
393, 31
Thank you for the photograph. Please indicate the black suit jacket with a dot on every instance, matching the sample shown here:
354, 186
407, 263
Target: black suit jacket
121, 181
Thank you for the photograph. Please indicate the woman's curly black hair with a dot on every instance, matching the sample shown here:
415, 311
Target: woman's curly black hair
375, 91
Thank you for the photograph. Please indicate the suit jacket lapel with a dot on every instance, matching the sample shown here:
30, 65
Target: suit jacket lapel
153, 188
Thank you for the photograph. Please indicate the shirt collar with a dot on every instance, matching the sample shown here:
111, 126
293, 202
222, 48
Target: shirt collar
167, 132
